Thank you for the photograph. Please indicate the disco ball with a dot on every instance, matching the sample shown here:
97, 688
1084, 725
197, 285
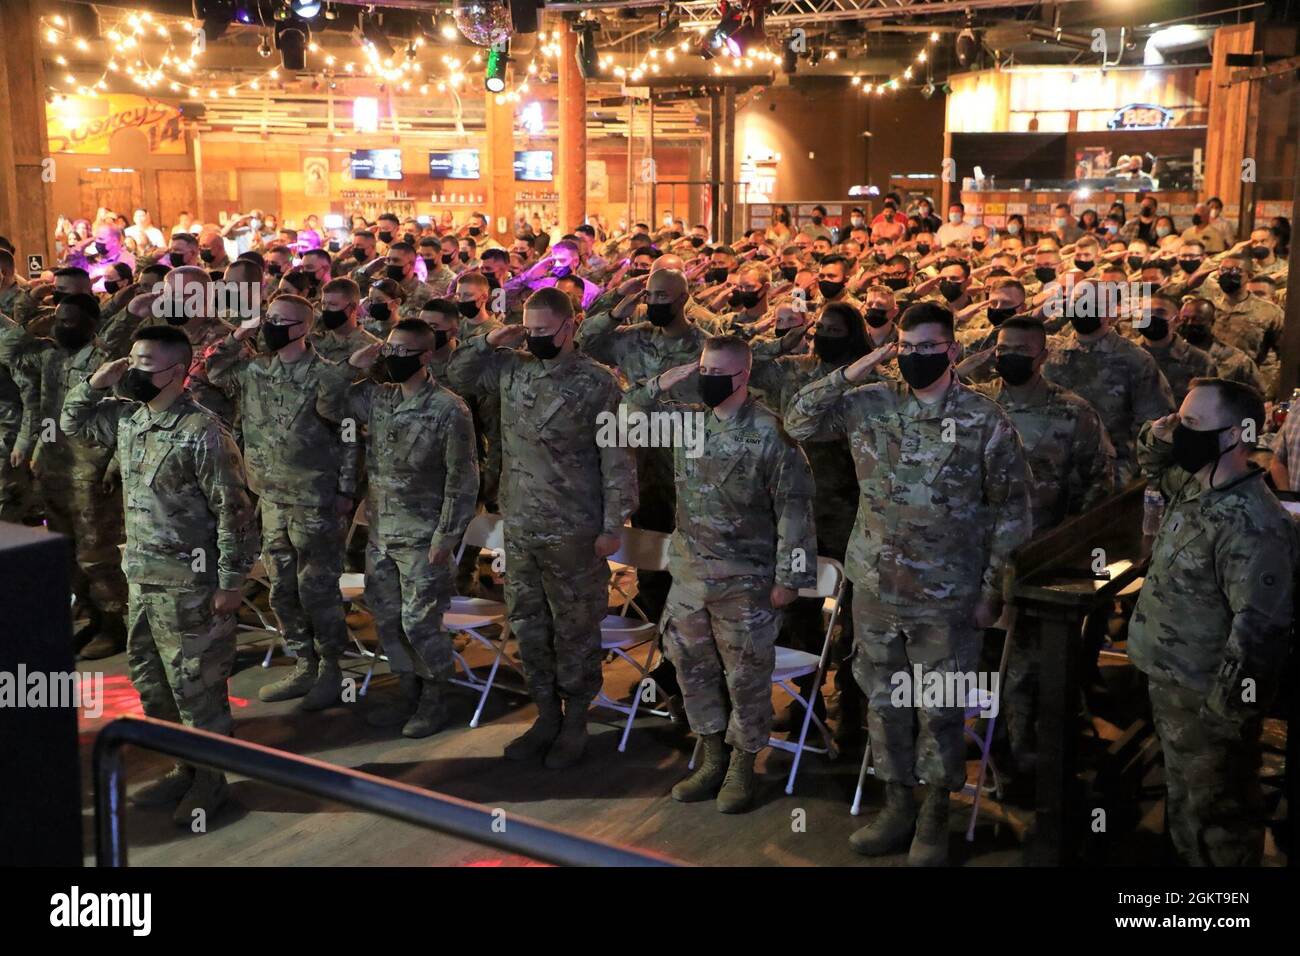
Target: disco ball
483, 22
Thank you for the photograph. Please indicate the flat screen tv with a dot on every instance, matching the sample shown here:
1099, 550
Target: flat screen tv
534, 165
376, 164
457, 164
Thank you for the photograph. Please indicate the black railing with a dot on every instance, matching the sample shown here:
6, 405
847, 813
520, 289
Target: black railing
433, 811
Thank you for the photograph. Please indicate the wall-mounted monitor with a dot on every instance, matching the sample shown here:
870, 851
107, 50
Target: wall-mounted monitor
457, 164
534, 165
376, 164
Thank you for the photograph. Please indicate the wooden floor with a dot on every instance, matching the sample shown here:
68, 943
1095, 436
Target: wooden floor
621, 798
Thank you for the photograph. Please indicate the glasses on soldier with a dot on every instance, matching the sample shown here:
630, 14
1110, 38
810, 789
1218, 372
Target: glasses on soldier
401, 351
279, 321
925, 348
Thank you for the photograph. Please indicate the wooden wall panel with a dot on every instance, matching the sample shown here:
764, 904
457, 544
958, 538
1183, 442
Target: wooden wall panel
1225, 140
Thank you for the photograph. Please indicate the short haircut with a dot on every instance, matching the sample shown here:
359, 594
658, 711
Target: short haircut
757, 269
251, 266
841, 260
363, 234
1242, 402
415, 327
389, 288
1264, 277
494, 254
927, 313
303, 307
899, 260
6, 260
402, 246
442, 307
730, 345
343, 284
174, 340
475, 280
72, 272
158, 269
962, 263
566, 244
186, 237
318, 253
553, 300
1025, 323
725, 250
391, 217
253, 255
586, 230
1006, 282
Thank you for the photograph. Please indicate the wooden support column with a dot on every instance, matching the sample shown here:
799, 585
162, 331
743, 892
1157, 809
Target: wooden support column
500, 172
1289, 347
1226, 136
729, 165
573, 133
26, 193
715, 162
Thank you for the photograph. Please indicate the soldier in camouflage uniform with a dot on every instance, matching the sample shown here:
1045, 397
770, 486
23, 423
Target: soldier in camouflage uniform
12, 288
1197, 327
1247, 322
944, 499
564, 499
1071, 470
19, 424
190, 540
744, 545
78, 481
423, 476
1178, 359
1212, 626
1116, 377
34, 311
336, 334
290, 403
401, 269
479, 308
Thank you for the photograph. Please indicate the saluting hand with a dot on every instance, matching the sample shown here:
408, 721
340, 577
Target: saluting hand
510, 336
1163, 428
859, 369
248, 328
677, 375
365, 356
110, 373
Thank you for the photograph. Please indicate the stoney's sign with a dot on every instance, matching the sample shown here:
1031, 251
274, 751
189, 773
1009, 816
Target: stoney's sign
84, 124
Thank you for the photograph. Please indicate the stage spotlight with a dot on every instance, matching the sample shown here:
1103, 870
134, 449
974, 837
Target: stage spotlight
523, 15
494, 74
668, 27
588, 58
746, 37
306, 9
967, 46
372, 29
331, 12
291, 41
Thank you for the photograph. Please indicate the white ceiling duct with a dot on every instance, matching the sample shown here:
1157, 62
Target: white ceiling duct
1174, 39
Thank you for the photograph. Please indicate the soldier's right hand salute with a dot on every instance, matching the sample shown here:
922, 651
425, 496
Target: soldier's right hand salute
247, 329
1163, 428
110, 373
510, 336
863, 366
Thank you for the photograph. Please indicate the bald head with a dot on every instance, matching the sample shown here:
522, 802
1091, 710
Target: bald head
669, 284
668, 260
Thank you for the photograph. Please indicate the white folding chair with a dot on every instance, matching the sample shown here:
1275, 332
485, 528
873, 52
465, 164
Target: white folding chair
792, 665
619, 633
978, 702
470, 616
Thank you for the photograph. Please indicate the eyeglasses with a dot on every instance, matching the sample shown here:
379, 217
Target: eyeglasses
272, 320
401, 351
925, 348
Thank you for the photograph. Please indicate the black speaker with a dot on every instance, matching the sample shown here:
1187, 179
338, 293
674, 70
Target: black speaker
40, 799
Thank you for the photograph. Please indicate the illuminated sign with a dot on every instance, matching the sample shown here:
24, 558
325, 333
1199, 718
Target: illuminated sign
1141, 116
82, 124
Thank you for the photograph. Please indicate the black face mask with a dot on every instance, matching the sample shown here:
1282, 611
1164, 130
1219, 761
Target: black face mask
742, 299
659, 314
440, 338
998, 316
923, 248
401, 367
384, 236
817, 220
430, 265
468, 309
275, 269
636, 273
72, 336
831, 349
463, 256
1156, 329
879, 258
716, 389
697, 241
1230, 284
789, 272
1259, 252
950, 290
1197, 334
333, 318
447, 258
277, 337
1015, 370
475, 231
1045, 274
978, 244
177, 259
1085, 264
1085, 324
920, 371
1189, 265
493, 281
543, 346
877, 318
111, 286
395, 272
895, 282
1193, 450
206, 255
714, 276
828, 289
1134, 262
817, 256
380, 311
137, 385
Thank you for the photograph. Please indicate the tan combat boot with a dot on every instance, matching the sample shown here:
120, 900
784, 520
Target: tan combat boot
892, 828
167, 789
704, 782
739, 786
431, 713
930, 845
110, 640
537, 739
207, 793
328, 687
571, 743
300, 680
398, 709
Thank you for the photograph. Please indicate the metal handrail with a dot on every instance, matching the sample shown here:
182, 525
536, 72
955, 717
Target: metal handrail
401, 801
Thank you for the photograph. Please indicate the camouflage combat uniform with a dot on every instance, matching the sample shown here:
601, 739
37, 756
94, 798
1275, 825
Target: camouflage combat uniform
937, 520
1071, 470
298, 467
744, 523
1180, 362
559, 492
337, 345
78, 482
189, 531
485, 406
423, 477
1235, 365
19, 424
417, 293
1250, 324
1213, 620
1119, 380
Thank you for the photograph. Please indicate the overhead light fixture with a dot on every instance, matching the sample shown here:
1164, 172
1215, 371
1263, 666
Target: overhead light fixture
264, 48
494, 74
968, 46
291, 40
745, 37
789, 57
587, 55
445, 24
927, 91
331, 11
372, 30
283, 11
668, 27
306, 9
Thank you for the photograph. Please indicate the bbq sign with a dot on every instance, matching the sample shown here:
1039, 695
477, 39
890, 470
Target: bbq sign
85, 124
1141, 116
